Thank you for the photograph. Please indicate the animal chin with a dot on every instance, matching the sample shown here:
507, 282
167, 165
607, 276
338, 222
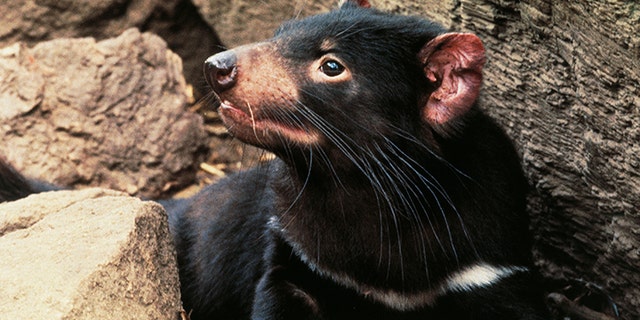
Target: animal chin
255, 129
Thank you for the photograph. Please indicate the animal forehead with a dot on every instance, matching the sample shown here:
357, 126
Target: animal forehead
328, 44
366, 26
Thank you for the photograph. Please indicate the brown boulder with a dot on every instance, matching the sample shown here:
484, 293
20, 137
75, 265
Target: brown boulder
91, 254
177, 21
77, 112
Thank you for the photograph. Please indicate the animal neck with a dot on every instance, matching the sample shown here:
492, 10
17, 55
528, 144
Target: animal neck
395, 220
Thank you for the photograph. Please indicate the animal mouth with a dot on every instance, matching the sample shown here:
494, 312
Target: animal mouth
255, 126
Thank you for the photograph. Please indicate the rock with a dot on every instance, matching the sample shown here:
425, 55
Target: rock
177, 21
91, 254
243, 21
77, 112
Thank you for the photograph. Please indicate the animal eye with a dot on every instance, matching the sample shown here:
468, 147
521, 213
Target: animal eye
332, 68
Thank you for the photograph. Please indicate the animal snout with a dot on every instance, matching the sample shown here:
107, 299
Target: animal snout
220, 70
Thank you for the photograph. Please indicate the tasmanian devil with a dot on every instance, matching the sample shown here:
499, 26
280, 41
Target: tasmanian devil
392, 195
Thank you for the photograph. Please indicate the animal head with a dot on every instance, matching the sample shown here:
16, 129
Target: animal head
351, 77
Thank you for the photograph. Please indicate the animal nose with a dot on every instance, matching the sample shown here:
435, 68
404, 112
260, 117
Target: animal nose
220, 70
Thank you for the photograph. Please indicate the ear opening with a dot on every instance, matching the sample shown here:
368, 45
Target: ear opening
453, 63
359, 3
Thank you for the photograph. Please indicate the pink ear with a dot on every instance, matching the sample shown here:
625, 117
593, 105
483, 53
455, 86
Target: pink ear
359, 3
453, 62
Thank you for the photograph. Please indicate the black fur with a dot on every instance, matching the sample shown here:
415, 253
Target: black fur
384, 198
13, 186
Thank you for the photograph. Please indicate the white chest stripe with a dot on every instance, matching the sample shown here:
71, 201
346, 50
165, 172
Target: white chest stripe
465, 280
478, 276
475, 276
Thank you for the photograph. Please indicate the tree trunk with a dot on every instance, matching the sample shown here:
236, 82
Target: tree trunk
563, 78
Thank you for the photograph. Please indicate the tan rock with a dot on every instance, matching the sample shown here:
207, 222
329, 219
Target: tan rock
91, 254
